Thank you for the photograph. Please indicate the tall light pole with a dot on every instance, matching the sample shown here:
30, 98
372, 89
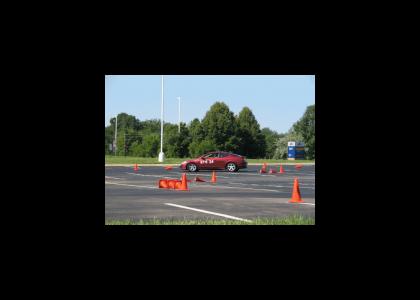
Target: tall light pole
179, 114
115, 142
161, 154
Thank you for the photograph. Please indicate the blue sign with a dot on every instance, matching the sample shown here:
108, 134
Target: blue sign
295, 150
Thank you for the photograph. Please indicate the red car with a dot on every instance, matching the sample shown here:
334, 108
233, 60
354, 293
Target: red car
218, 160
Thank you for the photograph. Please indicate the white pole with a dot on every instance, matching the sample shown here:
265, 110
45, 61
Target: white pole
161, 154
179, 114
115, 146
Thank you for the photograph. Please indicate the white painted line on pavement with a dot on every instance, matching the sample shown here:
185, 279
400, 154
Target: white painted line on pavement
208, 212
200, 174
158, 176
235, 187
112, 177
254, 184
267, 175
308, 203
256, 174
137, 186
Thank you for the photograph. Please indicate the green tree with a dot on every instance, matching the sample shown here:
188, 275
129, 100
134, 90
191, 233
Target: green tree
183, 142
176, 143
196, 134
196, 130
109, 138
150, 126
120, 143
127, 124
219, 125
148, 148
126, 121
136, 149
302, 131
271, 138
193, 149
233, 144
306, 128
251, 141
132, 136
198, 148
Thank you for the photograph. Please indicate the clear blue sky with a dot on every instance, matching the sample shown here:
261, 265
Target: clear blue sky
277, 101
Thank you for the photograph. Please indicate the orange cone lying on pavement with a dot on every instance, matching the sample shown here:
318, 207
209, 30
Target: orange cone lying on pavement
272, 171
163, 183
171, 183
298, 167
281, 169
296, 193
213, 177
184, 186
168, 168
136, 168
198, 179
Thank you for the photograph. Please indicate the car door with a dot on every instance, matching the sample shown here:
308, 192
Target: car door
220, 161
208, 161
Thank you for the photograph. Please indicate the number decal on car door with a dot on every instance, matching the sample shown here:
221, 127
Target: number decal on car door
210, 161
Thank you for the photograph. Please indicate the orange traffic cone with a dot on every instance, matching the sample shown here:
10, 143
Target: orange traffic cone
272, 171
163, 183
184, 186
136, 168
296, 193
171, 183
213, 177
281, 169
168, 168
198, 179
298, 167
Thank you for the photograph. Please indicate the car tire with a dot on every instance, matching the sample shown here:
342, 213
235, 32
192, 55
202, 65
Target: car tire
192, 168
231, 167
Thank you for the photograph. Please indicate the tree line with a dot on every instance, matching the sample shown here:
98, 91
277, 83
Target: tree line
220, 130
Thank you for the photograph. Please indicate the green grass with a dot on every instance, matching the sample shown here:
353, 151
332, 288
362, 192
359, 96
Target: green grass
110, 159
268, 161
290, 220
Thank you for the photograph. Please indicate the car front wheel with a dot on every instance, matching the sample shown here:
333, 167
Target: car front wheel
231, 167
192, 167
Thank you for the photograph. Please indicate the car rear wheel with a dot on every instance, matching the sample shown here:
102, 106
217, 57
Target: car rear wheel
231, 167
192, 168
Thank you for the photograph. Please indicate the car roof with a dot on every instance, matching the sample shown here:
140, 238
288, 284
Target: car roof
219, 152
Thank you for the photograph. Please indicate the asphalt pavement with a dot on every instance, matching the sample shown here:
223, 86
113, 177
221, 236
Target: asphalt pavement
245, 194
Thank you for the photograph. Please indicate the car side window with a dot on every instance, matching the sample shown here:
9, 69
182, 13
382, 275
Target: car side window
222, 154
